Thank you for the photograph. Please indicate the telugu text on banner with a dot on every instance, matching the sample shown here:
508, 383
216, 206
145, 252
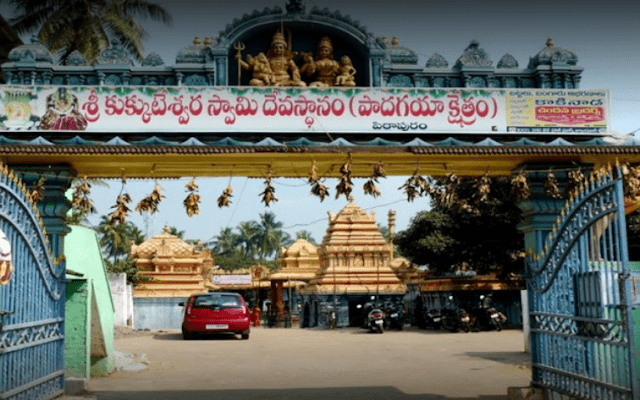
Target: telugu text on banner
300, 110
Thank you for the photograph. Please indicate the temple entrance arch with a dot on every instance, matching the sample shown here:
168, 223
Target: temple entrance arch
110, 120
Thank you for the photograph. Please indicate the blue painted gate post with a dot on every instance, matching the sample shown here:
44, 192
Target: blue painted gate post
540, 213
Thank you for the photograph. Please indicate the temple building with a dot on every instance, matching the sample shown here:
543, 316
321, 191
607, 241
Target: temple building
177, 268
252, 283
297, 266
354, 269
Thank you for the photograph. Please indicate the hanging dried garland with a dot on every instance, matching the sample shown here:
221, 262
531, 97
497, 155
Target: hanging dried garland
193, 198
520, 186
415, 186
551, 186
317, 188
345, 186
150, 203
448, 195
121, 207
224, 199
37, 193
369, 186
269, 193
80, 198
483, 186
575, 179
630, 180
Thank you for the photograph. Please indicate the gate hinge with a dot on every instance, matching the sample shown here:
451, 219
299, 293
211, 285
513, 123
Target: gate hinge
635, 289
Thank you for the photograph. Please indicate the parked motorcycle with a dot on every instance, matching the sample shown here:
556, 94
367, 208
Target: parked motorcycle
432, 319
393, 316
485, 316
374, 317
455, 317
465, 319
376, 320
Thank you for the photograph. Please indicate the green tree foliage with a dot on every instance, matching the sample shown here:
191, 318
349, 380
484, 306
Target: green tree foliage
271, 237
86, 25
127, 266
247, 237
175, 232
116, 241
233, 261
251, 242
306, 235
464, 227
225, 243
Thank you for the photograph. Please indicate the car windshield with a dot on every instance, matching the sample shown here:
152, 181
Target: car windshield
217, 301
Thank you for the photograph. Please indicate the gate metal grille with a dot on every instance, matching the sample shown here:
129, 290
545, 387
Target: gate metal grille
32, 337
582, 337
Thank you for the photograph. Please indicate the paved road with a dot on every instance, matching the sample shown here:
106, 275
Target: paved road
321, 364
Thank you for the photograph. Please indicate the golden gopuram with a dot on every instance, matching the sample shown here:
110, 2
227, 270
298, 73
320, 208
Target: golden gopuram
355, 268
176, 268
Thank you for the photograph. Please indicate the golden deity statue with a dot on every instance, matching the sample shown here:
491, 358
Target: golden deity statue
324, 70
276, 68
347, 73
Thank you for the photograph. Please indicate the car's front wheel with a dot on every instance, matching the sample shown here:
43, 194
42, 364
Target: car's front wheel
245, 336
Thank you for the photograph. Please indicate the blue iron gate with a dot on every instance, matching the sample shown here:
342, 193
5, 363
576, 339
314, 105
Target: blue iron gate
31, 336
582, 336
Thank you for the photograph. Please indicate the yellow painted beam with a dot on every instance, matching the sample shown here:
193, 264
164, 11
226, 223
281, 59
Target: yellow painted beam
175, 162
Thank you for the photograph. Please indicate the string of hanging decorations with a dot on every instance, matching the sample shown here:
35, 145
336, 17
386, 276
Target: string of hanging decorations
441, 189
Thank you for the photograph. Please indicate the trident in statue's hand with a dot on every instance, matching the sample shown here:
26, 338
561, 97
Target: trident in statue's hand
239, 46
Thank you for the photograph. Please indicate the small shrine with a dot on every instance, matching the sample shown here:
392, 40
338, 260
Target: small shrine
177, 268
354, 268
297, 266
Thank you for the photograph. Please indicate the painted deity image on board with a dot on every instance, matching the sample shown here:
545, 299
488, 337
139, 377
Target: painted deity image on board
62, 112
16, 111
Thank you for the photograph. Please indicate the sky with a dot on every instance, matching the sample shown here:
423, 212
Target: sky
604, 36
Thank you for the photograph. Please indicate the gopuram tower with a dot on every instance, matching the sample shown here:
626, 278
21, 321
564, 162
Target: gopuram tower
354, 269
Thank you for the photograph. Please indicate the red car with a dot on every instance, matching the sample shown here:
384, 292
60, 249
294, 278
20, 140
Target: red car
215, 312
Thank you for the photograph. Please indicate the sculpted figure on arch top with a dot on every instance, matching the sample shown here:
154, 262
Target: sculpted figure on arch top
322, 67
277, 68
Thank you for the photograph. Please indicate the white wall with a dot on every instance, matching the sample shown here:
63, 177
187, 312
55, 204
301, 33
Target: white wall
122, 299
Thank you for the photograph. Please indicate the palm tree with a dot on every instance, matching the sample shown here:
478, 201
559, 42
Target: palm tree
135, 235
248, 237
116, 239
226, 242
271, 236
306, 235
86, 25
175, 232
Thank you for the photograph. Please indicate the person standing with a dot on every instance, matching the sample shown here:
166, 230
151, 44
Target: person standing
255, 316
